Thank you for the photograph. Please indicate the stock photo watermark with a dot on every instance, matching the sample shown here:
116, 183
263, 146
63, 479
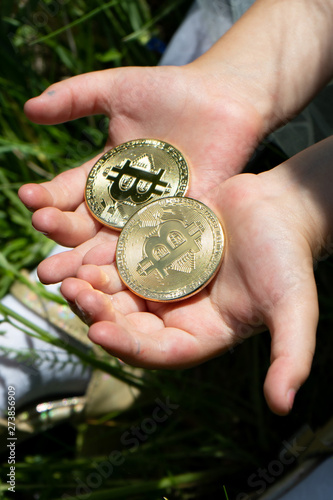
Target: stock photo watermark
262, 478
130, 440
11, 438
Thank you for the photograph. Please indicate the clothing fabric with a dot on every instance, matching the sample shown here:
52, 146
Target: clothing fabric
35, 368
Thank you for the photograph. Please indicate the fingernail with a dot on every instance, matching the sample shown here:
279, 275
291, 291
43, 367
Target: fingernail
42, 232
45, 93
72, 306
86, 318
291, 397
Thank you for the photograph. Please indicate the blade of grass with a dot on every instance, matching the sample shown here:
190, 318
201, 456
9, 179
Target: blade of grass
190, 479
166, 10
82, 19
86, 357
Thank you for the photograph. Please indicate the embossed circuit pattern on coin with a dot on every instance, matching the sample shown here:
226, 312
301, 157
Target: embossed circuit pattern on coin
131, 175
170, 249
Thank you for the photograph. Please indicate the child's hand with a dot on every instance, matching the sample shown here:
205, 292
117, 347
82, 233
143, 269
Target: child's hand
266, 278
211, 124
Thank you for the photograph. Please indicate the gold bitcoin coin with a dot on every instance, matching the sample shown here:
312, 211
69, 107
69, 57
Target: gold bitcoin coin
131, 175
170, 249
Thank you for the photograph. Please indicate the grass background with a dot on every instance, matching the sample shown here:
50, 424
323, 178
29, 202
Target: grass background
222, 432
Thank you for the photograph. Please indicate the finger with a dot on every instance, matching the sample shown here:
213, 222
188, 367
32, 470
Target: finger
71, 287
103, 278
144, 339
92, 306
293, 333
66, 264
59, 267
79, 96
101, 255
65, 191
98, 306
66, 228
153, 346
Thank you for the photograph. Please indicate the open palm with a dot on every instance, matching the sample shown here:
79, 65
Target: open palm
208, 122
266, 279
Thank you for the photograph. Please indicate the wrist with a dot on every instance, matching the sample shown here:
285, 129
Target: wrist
303, 186
230, 83
275, 67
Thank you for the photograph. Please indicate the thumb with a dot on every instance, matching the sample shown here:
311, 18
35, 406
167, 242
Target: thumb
79, 96
293, 330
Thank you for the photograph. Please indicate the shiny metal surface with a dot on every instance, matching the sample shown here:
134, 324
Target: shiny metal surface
131, 175
170, 249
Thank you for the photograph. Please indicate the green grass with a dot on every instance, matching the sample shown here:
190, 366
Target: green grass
222, 430
43, 42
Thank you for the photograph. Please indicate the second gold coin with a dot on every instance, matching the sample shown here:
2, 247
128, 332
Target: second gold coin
170, 249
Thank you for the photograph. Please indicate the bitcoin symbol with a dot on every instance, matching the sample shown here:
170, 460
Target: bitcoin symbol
174, 241
131, 175
135, 183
